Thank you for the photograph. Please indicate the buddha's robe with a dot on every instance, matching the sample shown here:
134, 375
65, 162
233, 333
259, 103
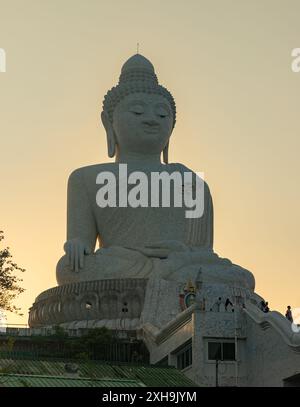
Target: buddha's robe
135, 242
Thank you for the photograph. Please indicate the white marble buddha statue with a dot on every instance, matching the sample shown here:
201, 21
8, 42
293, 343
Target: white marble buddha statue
139, 242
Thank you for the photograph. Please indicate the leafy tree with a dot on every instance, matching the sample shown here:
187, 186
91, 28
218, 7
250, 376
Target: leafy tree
91, 343
97, 336
9, 282
8, 345
59, 333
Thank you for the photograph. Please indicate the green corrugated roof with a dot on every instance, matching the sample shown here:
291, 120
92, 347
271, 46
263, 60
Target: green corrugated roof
9, 380
149, 375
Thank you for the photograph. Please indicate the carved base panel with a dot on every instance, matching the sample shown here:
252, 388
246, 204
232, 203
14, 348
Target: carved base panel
114, 303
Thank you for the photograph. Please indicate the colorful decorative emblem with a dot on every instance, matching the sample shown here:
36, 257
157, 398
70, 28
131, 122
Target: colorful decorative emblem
187, 296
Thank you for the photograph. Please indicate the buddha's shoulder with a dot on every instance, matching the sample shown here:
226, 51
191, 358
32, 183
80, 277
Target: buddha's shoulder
91, 171
184, 169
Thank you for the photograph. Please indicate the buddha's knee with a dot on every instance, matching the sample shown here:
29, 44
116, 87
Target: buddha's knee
64, 274
90, 271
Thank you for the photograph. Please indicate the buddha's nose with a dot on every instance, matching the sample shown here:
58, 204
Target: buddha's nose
151, 122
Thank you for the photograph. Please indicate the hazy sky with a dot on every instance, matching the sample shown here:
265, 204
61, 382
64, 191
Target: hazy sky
228, 65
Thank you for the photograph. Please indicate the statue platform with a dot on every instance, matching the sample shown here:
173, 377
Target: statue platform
131, 303
115, 304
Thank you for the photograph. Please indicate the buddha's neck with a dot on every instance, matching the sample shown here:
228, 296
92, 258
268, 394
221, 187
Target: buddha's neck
138, 159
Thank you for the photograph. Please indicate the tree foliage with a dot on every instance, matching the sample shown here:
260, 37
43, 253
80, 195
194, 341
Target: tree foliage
90, 345
9, 281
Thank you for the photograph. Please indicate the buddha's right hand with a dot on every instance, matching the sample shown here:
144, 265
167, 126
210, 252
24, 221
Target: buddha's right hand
75, 250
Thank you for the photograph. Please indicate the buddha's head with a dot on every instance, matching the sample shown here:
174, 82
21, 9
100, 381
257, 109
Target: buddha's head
138, 114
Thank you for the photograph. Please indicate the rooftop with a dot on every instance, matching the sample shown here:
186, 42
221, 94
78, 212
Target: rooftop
49, 373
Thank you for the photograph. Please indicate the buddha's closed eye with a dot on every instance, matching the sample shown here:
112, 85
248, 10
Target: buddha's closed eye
137, 110
162, 112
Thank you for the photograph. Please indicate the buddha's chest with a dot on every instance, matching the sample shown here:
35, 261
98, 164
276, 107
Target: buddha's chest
137, 226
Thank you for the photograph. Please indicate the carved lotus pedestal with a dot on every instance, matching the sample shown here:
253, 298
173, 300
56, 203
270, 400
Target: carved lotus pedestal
115, 304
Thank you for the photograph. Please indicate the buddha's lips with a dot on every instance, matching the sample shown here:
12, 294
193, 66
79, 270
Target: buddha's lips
151, 129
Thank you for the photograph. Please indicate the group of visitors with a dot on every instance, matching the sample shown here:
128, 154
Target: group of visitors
264, 306
227, 303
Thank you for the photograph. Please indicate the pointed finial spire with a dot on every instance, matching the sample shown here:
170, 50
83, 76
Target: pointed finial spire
137, 47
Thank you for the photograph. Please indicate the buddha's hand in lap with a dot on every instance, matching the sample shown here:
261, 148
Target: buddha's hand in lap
75, 250
162, 249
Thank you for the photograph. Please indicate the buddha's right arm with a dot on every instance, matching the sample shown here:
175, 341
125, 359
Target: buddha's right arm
81, 225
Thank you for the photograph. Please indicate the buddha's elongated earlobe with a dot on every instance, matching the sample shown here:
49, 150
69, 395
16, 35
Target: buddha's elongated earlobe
110, 135
111, 146
166, 154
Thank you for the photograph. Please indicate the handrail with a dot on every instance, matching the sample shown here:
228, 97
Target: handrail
277, 321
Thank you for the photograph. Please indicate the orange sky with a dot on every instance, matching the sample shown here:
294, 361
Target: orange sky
228, 65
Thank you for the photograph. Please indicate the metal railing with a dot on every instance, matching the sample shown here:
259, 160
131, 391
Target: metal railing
110, 352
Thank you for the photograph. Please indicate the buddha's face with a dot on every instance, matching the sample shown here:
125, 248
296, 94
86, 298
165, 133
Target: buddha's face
143, 123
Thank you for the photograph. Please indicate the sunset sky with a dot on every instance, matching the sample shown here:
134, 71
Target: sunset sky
228, 65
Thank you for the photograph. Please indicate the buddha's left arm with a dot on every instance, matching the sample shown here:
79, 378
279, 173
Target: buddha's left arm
209, 241
207, 220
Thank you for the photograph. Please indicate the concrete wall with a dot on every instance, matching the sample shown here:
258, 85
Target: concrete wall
269, 358
218, 326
